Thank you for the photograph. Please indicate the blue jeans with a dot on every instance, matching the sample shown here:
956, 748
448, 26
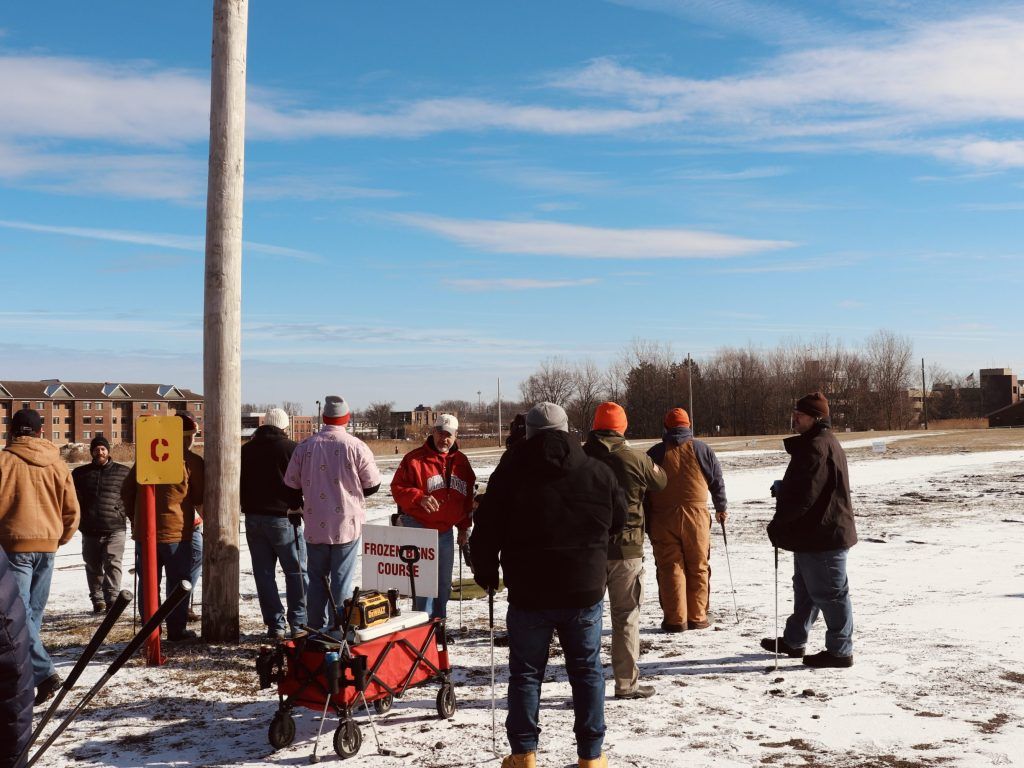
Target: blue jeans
336, 562
196, 568
273, 539
820, 586
437, 607
33, 571
176, 559
529, 636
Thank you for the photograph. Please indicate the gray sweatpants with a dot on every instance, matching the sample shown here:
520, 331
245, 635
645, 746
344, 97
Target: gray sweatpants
102, 555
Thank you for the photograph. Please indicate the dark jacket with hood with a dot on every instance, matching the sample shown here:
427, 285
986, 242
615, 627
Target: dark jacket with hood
547, 515
711, 470
264, 461
637, 474
16, 688
813, 510
99, 496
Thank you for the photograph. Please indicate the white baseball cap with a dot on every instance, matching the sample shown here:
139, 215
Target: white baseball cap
447, 423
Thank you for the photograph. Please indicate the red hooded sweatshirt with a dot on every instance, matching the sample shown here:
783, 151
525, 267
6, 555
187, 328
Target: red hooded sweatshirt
445, 476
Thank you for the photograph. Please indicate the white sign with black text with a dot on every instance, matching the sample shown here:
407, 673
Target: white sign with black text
383, 568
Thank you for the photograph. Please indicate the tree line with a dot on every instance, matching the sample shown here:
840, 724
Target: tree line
734, 391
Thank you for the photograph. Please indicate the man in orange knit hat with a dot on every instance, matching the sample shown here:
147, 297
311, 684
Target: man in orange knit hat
680, 527
637, 474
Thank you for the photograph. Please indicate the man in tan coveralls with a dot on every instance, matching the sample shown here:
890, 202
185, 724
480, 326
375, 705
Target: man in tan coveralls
679, 524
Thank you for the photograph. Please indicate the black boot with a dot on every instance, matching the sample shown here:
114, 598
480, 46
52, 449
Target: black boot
784, 648
826, 659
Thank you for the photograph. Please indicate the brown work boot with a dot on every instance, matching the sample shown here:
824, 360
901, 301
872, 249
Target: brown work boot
597, 762
524, 760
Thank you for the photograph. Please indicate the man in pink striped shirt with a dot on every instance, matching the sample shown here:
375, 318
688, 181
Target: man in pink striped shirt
336, 472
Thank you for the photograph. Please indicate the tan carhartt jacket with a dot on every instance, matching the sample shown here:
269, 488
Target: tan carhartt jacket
38, 504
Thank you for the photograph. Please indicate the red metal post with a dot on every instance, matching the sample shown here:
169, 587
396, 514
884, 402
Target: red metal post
151, 596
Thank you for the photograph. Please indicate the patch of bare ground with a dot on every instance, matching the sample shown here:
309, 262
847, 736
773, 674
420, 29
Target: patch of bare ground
993, 724
1013, 677
853, 760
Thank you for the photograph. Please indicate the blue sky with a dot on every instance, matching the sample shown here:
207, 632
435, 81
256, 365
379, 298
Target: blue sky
439, 194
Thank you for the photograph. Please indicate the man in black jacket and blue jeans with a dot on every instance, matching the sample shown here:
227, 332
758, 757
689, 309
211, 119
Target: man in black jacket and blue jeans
814, 519
547, 516
272, 534
98, 487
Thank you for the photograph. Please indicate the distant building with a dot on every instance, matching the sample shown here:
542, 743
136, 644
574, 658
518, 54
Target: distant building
299, 427
999, 388
77, 411
412, 423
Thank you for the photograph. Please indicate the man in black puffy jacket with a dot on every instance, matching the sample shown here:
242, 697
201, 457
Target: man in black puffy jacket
15, 669
272, 534
547, 515
98, 487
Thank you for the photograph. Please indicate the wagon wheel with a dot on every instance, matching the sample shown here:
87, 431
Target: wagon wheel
282, 730
384, 705
347, 739
446, 701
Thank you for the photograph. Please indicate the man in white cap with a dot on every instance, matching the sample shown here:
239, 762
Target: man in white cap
433, 487
336, 472
273, 530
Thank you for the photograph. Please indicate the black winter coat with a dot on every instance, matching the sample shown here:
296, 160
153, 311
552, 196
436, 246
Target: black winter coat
264, 461
99, 495
813, 512
16, 689
547, 515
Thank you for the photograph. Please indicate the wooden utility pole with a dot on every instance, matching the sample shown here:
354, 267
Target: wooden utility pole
222, 315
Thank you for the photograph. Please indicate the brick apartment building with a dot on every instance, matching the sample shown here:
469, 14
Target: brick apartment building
299, 427
77, 411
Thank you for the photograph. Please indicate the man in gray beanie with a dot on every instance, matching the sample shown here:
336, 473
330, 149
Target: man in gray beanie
546, 518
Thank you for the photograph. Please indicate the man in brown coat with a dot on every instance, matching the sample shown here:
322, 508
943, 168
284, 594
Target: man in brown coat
177, 507
680, 527
38, 513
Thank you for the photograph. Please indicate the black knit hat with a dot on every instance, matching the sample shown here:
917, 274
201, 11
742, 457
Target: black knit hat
26, 422
99, 440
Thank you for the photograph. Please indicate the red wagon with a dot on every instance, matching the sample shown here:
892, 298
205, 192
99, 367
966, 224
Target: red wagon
383, 663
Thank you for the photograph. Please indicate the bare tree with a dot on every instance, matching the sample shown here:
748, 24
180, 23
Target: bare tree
291, 407
553, 382
588, 392
379, 415
890, 358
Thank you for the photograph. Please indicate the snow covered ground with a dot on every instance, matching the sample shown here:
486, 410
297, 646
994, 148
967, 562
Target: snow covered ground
938, 590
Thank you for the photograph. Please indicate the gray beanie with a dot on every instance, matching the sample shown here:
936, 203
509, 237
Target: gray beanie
546, 416
275, 417
335, 407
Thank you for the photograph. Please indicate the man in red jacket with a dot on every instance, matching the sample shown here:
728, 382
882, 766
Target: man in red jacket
433, 488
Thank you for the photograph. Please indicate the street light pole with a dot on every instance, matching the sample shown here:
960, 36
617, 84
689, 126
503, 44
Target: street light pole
689, 384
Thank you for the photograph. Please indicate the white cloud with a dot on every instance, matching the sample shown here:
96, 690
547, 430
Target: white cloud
806, 265
576, 241
516, 284
163, 240
916, 87
768, 21
746, 174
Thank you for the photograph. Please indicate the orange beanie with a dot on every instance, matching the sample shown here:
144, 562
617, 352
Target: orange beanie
610, 416
677, 417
